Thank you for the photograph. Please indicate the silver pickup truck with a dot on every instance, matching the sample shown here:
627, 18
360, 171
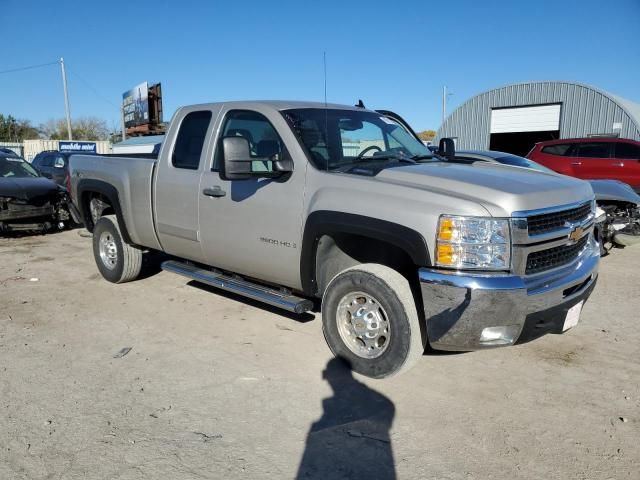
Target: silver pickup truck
293, 203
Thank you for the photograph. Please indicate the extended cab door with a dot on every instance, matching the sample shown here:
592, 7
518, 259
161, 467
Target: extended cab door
176, 191
254, 227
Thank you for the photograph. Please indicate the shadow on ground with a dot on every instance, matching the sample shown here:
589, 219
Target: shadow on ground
351, 439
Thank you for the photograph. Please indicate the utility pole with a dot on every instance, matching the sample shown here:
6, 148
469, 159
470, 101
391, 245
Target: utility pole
445, 97
124, 135
66, 98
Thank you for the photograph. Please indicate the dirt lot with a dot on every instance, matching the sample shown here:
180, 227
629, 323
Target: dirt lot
217, 387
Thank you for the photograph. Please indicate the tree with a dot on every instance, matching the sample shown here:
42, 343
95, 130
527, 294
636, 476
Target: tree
14, 130
427, 135
82, 128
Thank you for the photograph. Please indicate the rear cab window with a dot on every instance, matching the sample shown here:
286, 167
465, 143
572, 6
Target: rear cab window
190, 140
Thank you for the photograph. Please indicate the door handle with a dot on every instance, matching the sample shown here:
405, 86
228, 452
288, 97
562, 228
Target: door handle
214, 192
617, 164
576, 163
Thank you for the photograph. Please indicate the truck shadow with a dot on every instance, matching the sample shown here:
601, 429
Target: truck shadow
351, 439
301, 318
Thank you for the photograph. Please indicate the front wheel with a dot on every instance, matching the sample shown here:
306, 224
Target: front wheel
117, 261
369, 319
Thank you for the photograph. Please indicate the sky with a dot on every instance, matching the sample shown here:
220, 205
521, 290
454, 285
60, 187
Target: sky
392, 55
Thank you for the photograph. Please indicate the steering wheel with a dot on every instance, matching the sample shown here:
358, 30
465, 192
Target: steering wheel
368, 149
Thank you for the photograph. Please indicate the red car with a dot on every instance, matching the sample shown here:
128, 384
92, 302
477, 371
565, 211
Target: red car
592, 158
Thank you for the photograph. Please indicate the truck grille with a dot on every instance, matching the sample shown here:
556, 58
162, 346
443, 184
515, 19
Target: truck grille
548, 222
554, 257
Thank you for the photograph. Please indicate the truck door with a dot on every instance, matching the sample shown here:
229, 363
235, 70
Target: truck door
176, 189
254, 227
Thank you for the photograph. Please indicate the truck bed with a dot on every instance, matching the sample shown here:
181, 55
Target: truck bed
132, 176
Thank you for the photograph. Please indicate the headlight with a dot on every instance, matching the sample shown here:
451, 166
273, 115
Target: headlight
473, 243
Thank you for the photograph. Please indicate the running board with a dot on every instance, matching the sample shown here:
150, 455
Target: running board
240, 286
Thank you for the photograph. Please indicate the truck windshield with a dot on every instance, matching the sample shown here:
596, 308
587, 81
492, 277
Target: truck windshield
338, 139
16, 167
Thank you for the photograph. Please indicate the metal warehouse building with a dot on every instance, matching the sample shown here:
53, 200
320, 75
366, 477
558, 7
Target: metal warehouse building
514, 117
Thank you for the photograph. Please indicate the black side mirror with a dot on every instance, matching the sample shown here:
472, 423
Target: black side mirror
239, 165
237, 158
447, 148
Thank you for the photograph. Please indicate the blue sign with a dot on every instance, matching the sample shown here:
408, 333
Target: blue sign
78, 147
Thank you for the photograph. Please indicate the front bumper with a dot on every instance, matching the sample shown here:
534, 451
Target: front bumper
459, 306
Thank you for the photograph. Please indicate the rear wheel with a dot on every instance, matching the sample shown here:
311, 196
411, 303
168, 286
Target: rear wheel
369, 319
117, 261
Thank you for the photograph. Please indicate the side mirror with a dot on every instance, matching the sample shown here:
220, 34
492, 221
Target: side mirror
237, 158
239, 165
447, 148
59, 163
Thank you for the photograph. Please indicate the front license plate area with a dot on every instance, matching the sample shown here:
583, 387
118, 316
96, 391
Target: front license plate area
573, 316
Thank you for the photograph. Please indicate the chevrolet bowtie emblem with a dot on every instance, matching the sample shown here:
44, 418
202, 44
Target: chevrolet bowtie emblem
576, 234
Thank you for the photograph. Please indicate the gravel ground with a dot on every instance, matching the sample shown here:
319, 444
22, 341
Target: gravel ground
218, 387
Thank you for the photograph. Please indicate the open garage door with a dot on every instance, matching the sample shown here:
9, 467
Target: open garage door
517, 129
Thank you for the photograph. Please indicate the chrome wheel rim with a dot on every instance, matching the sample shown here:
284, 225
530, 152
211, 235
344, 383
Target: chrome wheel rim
108, 250
363, 325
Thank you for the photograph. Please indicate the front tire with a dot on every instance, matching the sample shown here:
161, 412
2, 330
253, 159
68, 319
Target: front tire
369, 319
117, 261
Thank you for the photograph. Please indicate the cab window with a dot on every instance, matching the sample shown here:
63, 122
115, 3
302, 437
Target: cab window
190, 140
264, 141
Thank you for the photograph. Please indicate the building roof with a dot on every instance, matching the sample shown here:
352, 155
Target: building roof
145, 140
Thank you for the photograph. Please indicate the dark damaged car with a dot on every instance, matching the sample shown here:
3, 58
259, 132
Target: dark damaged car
29, 201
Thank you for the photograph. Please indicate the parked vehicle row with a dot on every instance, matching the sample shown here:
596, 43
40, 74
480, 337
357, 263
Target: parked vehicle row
592, 158
618, 221
29, 201
291, 203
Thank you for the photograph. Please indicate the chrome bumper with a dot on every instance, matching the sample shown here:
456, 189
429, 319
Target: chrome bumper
458, 306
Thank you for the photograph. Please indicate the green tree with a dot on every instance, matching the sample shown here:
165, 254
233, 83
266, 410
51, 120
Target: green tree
14, 130
82, 128
427, 135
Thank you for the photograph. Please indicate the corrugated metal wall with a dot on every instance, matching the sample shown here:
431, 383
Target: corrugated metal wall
584, 111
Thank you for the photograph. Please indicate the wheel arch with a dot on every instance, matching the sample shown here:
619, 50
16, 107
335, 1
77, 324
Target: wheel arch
330, 237
87, 189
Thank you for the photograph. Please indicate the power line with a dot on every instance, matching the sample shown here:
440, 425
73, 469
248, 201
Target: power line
29, 67
90, 87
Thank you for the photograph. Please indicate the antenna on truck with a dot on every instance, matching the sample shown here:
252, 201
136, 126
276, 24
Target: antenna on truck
326, 113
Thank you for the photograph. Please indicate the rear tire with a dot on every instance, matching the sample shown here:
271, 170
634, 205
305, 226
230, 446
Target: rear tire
369, 319
117, 261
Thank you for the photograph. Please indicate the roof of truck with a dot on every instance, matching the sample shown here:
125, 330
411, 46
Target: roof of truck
284, 104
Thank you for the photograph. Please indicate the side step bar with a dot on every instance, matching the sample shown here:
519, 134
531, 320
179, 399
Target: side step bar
240, 286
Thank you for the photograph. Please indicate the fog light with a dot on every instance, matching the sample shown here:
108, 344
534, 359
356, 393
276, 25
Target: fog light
499, 335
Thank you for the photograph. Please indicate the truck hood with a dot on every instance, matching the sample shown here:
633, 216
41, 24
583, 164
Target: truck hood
34, 190
501, 189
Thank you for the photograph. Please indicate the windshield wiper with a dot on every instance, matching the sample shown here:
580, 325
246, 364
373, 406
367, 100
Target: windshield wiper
426, 157
389, 156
